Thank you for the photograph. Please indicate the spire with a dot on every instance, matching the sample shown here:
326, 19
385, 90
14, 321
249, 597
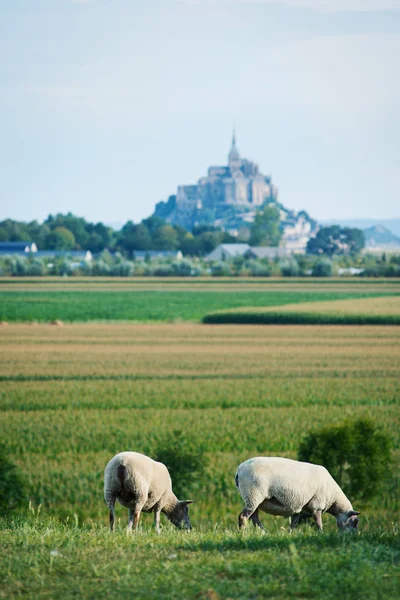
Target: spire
234, 160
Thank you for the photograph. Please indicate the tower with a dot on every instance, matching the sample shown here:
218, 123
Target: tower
234, 160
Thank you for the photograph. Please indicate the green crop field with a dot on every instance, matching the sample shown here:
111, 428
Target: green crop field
73, 396
167, 300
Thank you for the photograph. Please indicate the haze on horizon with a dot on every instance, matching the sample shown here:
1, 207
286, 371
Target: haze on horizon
106, 106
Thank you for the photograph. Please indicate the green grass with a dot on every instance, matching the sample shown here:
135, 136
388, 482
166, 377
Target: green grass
155, 305
56, 560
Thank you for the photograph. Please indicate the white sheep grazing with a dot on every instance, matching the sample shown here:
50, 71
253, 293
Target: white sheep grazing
287, 488
142, 484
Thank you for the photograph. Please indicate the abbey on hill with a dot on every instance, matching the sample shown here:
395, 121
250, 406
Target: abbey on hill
225, 193
228, 197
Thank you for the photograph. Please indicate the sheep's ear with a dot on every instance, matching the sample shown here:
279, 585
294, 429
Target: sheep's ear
185, 502
352, 513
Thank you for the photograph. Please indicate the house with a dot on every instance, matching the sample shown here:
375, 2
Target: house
77, 255
225, 251
270, 252
29, 248
17, 247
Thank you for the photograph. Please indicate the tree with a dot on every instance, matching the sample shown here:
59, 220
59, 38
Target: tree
134, 237
76, 225
334, 240
95, 243
185, 460
100, 237
355, 239
322, 268
188, 245
36, 267
13, 231
266, 229
37, 233
60, 238
207, 241
153, 224
289, 267
165, 238
357, 455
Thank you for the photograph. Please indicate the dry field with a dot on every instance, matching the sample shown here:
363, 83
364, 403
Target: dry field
384, 310
216, 284
386, 305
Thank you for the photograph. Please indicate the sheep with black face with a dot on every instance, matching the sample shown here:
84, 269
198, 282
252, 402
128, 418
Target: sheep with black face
290, 488
142, 484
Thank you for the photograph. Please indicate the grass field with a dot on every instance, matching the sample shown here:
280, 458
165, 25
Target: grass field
167, 300
73, 396
48, 560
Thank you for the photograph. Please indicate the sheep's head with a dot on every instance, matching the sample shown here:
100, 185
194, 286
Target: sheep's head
349, 521
180, 515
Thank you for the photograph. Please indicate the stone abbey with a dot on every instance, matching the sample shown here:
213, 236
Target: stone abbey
240, 183
229, 197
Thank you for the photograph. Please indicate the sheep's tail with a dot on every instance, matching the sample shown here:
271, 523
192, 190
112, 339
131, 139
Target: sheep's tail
237, 480
121, 475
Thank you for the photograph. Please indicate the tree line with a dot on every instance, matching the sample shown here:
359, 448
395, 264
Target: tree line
69, 232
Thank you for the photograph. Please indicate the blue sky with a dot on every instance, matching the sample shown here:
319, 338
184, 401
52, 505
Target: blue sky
107, 105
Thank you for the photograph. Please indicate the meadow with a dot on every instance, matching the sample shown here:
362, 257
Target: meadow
72, 396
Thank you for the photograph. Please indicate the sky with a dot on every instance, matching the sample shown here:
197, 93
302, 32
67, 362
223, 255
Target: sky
106, 106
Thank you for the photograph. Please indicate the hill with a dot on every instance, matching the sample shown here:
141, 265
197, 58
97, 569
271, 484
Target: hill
393, 225
379, 236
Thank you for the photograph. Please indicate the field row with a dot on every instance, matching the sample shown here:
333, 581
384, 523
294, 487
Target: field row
248, 429
161, 305
344, 390
194, 353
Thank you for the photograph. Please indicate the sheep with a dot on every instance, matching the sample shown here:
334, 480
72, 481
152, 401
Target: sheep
284, 487
142, 484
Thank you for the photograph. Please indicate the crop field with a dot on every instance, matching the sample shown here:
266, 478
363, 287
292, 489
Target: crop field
384, 310
167, 300
73, 396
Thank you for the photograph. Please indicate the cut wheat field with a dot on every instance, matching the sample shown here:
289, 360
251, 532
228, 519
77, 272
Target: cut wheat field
73, 396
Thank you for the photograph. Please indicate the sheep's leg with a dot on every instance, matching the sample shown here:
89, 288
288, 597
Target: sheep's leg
244, 516
112, 518
318, 519
294, 519
255, 520
133, 518
111, 506
131, 514
157, 514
